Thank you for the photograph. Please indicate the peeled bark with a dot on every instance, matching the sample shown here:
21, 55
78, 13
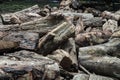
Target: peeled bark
55, 38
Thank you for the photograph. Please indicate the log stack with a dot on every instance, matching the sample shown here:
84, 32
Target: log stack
65, 43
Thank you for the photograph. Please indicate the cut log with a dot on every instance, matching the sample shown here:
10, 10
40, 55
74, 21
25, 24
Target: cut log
74, 4
63, 58
107, 66
55, 38
110, 15
70, 47
91, 77
79, 26
94, 22
83, 15
22, 63
41, 25
45, 11
65, 3
109, 48
95, 12
92, 38
68, 75
24, 15
26, 40
110, 25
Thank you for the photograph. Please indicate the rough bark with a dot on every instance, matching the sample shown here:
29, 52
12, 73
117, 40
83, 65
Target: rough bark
1, 23
95, 12
91, 77
23, 15
55, 38
110, 15
94, 22
79, 26
17, 65
40, 25
110, 25
116, 34
92, 38
26, 40
74, 4
109, 48
107, 66
83, 15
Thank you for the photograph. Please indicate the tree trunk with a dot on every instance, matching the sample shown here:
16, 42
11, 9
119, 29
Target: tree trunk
55, 38
41, 25
91, 77
23, 15
94, 22
107, 66
110, 48
28, 66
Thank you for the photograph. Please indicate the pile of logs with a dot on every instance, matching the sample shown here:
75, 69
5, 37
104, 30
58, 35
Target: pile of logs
65, 43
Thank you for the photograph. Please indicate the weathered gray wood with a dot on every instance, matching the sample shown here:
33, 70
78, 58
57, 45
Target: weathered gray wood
83, 15
94, 11
28, 63
81, 77
41, 25
110, 25
107, 66
116, 34
110, 15
109, 48
79, 26
23, 15
74, 4
1, 23
94, 22
91, 77
55, 38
